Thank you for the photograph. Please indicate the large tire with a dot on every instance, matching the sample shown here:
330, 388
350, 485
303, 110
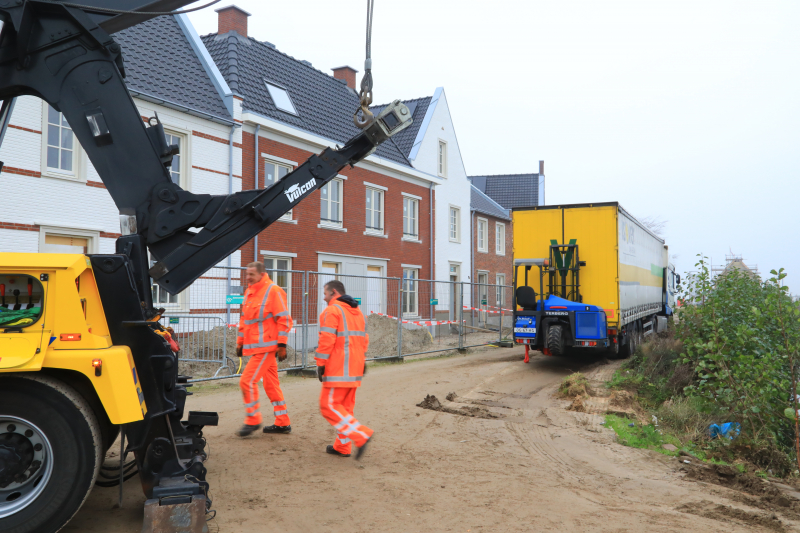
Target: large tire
555, 340
43, 419
629, 348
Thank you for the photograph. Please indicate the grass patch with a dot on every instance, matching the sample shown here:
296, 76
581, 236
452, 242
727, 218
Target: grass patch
573, 386
647, 437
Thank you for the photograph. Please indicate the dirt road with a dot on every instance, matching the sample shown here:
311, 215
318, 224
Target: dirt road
519, 463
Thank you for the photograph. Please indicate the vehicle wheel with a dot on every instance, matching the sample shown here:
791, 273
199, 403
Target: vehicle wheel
629, 348
555, 340
614, 351
634, 338
50, 453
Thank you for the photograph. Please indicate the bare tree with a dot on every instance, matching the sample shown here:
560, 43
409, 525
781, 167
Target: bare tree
654, 224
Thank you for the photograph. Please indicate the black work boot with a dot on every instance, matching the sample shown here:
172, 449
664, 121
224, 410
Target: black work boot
331, 450
277, 429
360, 451
247, 430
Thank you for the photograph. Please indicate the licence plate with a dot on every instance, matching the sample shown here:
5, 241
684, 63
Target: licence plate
525, 330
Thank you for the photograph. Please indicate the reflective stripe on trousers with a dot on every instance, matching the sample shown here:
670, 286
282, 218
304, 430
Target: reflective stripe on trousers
336, 405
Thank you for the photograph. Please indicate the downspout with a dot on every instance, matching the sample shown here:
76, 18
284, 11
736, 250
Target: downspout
230, 191
430, 229
255, 240
472, 237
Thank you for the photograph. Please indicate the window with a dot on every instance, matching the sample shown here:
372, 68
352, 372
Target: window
57, 240
330, 210
374, 211
501, 290
175, 170
273, 173
455, 224
410, 218
483, 235
500, 238
276, 267
281, 98
410, 292
442, 159
61, 152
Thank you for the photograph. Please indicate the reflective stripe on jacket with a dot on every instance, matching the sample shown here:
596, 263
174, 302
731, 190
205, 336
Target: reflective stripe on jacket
265, 321
343, 343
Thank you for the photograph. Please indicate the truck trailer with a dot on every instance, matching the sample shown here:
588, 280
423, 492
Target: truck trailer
588, 277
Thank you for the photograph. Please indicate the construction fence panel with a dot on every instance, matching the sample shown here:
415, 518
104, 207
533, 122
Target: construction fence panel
405, 317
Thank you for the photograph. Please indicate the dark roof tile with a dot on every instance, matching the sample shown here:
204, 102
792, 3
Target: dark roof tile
160, 62
324, 105
483, 204
510, 190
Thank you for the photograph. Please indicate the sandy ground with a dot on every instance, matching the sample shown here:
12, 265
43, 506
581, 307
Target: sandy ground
520, 463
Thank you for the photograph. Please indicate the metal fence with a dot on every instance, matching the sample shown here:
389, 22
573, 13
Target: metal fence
405, 317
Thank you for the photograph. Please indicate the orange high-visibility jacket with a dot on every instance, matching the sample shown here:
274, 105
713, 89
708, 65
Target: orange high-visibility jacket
265, 321
343, 343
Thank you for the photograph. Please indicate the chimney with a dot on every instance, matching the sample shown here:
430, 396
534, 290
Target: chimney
541, 167
348, 74
232, 18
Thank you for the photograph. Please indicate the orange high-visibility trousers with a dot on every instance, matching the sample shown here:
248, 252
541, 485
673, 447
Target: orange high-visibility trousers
262, 366
336, 405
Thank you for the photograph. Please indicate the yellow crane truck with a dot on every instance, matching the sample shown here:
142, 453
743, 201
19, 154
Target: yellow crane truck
588, 277
83, 358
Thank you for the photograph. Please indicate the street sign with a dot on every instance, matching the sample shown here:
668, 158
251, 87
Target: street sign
484, 302
234, 299
174, 320
434, 301
358, 300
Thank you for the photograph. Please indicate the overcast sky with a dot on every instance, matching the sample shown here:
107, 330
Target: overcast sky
687, 111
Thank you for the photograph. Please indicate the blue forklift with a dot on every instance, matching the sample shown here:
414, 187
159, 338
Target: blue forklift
556, 321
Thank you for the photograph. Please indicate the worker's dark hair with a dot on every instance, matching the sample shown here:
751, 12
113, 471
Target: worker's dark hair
336, 285
258, 265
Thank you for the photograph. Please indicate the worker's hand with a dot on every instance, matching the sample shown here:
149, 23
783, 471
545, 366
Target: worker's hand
281, 353
320, 372
364, 373
239, 350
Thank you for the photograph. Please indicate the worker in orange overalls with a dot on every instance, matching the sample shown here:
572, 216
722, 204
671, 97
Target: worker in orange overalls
264, 327
341, 363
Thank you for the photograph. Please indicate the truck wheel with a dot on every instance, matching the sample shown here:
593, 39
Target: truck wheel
555, 340
50, 453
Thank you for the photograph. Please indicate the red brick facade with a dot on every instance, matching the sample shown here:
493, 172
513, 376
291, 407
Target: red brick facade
306, 239
490, 262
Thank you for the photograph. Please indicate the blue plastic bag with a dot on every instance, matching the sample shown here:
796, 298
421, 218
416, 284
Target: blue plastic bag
729, 430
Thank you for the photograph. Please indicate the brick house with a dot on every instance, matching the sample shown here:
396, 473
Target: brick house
54, 200
513, 190
492, 245
373, 220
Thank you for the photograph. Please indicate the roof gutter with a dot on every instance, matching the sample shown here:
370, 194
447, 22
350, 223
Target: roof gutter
179, 107
255, 118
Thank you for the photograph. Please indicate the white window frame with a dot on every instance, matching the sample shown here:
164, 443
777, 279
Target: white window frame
411, 312
270, 85
181, 306
412, 200
500, 281
278, 163
92, 236
454, 227
483, 235
185, 170
441, 159
288, 288
499, 240
330, 223
380, 192
78, 172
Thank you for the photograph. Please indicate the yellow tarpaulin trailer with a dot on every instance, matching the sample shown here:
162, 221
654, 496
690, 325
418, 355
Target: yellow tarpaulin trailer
625, 262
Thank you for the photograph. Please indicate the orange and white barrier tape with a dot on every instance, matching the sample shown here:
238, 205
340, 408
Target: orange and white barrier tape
483, 310
417, 322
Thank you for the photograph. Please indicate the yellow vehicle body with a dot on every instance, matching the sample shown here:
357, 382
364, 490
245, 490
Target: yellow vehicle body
625, 262
71, 332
